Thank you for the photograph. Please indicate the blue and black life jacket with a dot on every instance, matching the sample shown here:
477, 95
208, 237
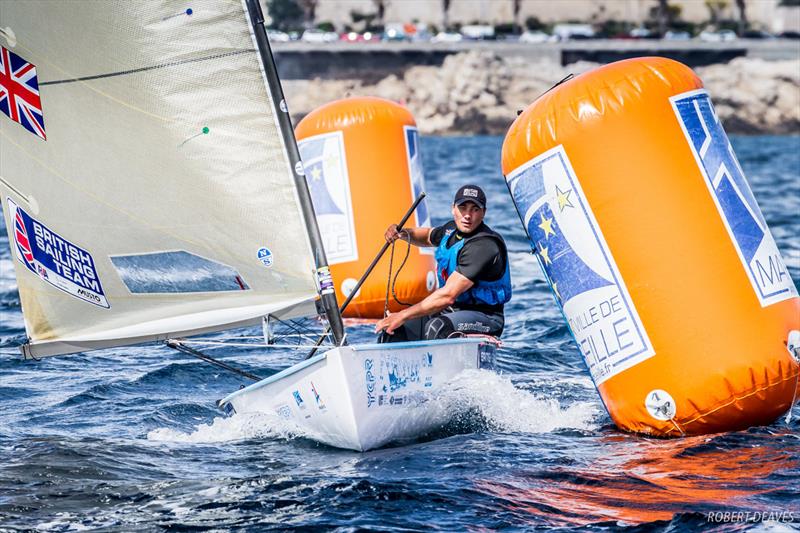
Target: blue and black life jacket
483, 293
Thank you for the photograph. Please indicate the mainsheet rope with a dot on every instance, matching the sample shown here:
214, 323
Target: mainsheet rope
390, 283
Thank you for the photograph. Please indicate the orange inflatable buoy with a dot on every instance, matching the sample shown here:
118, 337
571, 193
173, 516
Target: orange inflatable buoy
364, 170
656, 250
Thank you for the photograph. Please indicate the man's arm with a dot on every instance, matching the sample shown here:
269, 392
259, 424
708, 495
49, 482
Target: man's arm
436, 301
417, 236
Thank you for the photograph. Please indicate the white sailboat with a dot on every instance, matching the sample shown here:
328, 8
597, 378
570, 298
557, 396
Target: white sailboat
152, 190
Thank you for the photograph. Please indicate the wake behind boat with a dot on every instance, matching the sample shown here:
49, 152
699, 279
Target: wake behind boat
153, 190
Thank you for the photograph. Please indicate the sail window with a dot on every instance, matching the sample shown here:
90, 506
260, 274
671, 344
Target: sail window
177, 271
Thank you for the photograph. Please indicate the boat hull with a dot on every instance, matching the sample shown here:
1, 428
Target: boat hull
364, 397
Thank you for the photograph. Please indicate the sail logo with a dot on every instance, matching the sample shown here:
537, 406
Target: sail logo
416, 176
329, 183
19, 93
735, 202
265, 256
578, 264
54, 259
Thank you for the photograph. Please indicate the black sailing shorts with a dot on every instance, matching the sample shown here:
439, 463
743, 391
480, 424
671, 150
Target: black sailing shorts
446, 325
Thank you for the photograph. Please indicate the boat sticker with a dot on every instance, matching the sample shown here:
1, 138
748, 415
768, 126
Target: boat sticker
264, 255
54, 259
325, 280
298, 399
734, 200
19, 93
402, 380
317, 398
578, 264
329, 182
369, 380
416, 176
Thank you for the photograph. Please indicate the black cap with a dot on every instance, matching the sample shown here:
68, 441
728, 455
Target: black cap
470, 193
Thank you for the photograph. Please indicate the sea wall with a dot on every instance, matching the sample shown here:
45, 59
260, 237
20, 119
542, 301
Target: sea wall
480, 92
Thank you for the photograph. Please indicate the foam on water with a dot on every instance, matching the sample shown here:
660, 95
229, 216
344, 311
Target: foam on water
506, 407
232, 428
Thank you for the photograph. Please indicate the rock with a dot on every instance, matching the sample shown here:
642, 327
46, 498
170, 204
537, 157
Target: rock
481, 92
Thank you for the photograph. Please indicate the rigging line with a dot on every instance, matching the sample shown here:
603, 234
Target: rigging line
254, 337
271, 337
244, 344
388, 283
292, 325
177, 345
399, 269
145, 69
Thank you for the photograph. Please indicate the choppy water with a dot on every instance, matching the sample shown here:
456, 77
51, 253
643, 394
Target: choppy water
130, 438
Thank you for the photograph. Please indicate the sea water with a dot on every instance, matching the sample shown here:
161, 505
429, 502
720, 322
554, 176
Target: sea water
130, 439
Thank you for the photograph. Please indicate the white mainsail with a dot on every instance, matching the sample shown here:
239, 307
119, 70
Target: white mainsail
149, 193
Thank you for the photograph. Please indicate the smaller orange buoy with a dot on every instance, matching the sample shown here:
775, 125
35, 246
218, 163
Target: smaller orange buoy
364, 170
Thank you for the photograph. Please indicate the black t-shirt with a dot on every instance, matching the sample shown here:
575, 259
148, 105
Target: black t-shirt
481, 259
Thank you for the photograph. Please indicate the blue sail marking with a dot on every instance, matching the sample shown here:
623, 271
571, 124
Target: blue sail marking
563, 266
416, 175
578, 265
328, 181
320, 195
734, 199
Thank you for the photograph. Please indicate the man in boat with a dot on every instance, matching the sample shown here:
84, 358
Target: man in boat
473, 271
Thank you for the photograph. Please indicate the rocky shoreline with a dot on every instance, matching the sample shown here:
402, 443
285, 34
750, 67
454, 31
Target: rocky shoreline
479, 92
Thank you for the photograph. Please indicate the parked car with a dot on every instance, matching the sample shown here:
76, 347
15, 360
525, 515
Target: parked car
566, 32
757, 34
529, 36
478, 32
677, 36
394, 31
420, 33
642, 33
447, 37
319, 36
277, 36
355, 37
790, 35
717, 36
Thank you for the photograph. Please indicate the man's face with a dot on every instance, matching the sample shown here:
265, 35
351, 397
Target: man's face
467, 216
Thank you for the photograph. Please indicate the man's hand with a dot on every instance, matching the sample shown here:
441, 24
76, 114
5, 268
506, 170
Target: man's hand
392, 234
390, 323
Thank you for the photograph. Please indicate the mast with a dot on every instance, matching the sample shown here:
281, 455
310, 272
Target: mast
327, 292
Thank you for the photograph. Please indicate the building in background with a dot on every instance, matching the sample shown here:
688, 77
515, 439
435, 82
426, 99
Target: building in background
775, 16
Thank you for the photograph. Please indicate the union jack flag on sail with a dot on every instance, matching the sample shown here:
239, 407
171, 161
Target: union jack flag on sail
19, 92
21, 237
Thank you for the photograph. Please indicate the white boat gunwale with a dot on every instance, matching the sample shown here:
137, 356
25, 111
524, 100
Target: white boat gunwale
356, 348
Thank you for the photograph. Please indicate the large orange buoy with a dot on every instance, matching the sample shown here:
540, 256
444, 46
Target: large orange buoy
656, 250
364, 170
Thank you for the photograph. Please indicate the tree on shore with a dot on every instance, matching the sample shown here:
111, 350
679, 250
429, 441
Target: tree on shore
743, 24
517, 7
663, 14
445, 15
286, 15
309, 8
715, 8
380, 10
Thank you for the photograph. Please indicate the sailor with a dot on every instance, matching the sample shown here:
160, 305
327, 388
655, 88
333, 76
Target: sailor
473, 272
